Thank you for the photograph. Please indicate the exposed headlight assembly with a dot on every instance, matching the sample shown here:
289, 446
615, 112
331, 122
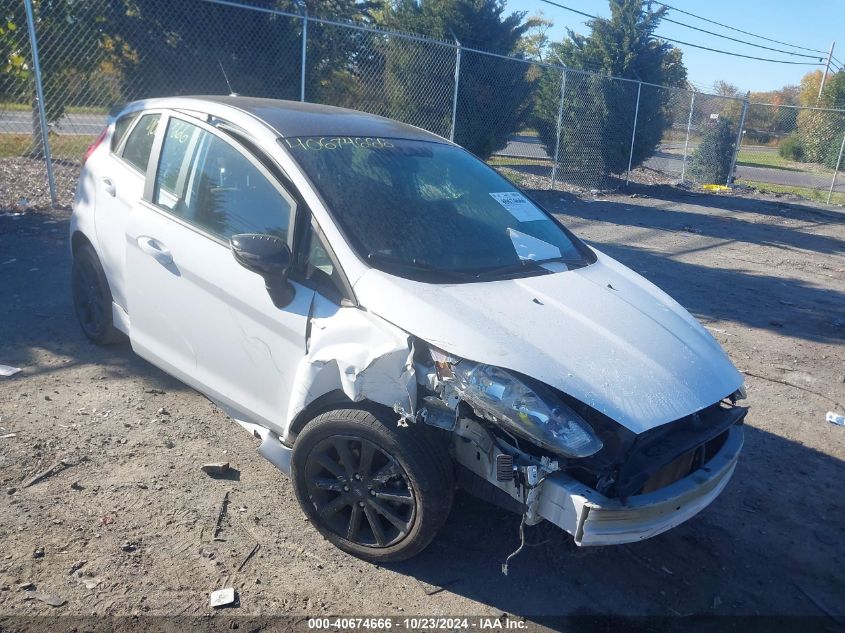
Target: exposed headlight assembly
537, 417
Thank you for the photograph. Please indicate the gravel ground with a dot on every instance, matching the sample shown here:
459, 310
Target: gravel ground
123, 524
23, 184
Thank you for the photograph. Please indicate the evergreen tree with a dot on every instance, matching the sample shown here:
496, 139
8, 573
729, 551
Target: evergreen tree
598, 114
493, 92
710, 163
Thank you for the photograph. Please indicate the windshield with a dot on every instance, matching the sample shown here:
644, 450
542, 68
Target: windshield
432, 211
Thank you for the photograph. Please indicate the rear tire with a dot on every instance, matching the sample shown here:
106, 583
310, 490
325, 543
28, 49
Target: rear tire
92, 299
372, 489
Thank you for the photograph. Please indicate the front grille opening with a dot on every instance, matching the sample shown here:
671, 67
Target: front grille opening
683, 465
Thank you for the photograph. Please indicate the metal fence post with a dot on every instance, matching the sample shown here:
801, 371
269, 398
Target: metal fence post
686, 142
559, 124
738, 143
455, 93
634, 133
39, 92
836, 171
304, 47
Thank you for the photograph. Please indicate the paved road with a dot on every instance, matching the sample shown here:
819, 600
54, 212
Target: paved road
20, 122
521, 146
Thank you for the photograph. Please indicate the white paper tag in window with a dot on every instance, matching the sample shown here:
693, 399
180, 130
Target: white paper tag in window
518, 206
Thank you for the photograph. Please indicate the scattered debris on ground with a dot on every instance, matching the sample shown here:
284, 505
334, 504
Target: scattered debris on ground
175, 534
222, 598
216, 470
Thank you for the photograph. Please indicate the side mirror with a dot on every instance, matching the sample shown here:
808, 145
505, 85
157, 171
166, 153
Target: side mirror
270, 257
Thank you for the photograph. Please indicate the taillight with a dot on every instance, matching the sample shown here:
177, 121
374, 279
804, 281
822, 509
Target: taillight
93, 146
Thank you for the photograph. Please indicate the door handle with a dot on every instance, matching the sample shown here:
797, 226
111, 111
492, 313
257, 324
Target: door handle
108, 185
155, 249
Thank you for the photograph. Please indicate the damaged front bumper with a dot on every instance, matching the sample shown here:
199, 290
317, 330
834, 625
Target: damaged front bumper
593, 519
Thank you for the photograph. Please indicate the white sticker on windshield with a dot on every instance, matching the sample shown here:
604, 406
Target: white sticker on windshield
530, 247
518, 206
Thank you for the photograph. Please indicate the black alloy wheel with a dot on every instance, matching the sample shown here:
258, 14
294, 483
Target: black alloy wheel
360, 491
92, 298
373, 489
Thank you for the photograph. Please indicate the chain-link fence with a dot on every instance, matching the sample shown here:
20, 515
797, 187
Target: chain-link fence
799, 149
18, 112
544, 126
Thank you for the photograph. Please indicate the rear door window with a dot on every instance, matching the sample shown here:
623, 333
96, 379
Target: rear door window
139, 143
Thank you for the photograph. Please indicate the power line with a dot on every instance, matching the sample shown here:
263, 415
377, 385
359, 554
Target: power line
716, 50
768, 39
586, 15
706, 48
733, 39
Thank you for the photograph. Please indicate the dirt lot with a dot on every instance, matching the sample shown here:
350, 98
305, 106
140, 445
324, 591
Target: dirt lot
123, 526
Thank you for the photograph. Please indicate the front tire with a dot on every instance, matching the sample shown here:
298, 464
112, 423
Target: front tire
92, 300
374, 490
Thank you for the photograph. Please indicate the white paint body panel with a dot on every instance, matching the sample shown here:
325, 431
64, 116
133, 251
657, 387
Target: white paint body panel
112, 213
601, 334
629, 351
356, 352
209, 321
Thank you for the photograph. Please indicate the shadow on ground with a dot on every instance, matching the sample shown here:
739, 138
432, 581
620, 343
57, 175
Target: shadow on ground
788, 305
742, 555
694, 569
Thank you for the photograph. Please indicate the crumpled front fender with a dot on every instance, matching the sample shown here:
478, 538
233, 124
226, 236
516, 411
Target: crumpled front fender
358, 353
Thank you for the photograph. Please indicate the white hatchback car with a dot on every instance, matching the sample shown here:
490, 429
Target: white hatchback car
392, 318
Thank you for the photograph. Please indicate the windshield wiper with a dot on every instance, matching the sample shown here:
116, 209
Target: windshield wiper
522, 265
418, 266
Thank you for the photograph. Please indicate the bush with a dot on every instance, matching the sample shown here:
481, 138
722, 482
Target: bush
711, 161
790, 148
832, 155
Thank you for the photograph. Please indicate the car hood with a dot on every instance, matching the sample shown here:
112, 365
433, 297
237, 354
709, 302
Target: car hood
601, 334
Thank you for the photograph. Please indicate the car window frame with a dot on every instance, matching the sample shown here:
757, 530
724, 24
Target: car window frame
153, 167
585, 249
133, 117
118, 151
302, 218
306, 224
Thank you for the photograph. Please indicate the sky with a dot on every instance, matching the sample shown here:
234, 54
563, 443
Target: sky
809, 23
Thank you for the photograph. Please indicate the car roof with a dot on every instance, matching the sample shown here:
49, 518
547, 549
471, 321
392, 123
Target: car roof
295, 118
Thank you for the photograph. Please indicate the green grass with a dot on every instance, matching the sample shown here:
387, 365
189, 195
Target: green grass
70, 146
25, 107
773, 160
805, 192
505, 161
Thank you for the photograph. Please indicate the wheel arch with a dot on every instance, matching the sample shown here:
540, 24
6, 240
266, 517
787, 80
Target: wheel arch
78, 240
335, 399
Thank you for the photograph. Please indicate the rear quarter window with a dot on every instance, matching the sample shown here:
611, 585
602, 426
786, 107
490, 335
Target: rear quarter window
121, 126
139, 143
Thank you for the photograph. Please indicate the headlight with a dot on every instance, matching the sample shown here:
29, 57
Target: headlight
524, 412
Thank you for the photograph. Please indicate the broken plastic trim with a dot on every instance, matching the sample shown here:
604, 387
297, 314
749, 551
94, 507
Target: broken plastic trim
271, 447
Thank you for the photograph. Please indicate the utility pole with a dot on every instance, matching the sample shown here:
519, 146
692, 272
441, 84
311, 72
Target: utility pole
304, 10
456, 86
39, 95
826, 70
